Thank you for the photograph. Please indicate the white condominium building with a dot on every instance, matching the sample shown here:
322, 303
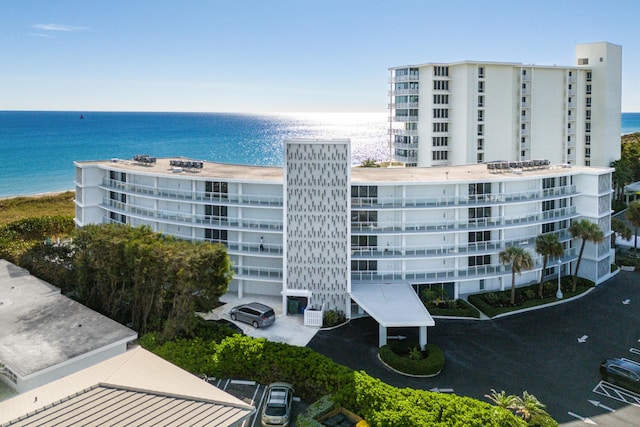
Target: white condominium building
358, 239
474, 112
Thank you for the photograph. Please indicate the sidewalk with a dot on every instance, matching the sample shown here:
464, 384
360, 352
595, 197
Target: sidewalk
288, 329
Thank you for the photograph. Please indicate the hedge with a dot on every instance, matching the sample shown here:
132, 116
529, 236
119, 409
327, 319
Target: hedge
430, 365
315, 375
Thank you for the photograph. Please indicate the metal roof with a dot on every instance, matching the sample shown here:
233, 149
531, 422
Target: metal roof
136, 388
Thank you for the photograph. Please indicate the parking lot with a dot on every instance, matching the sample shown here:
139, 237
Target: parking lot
254, 394
554, 354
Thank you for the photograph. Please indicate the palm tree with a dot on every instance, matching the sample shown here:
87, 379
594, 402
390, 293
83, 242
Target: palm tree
529, 406
502, 399
520, 261
547, 245
619, 229
586, 231
633, 215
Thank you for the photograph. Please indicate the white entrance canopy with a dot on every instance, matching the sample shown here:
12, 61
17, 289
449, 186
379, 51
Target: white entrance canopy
393, 305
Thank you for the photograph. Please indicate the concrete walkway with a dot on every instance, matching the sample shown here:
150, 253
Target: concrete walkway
287, 329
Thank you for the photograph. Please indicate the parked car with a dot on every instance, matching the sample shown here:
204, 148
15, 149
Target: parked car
256, 314
621, 372
226, 323
277, 406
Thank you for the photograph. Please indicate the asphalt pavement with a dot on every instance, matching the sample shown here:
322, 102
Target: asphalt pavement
553, 353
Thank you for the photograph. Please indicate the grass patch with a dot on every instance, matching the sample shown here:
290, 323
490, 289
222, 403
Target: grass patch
496, 303
18, 208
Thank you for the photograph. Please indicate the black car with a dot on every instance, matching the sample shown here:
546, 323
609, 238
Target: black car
621, 372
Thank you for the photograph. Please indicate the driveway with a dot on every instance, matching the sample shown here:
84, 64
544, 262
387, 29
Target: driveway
537, 351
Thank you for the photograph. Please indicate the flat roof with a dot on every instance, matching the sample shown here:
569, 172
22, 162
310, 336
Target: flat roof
42, 328
392, 304
136, 388
274, 174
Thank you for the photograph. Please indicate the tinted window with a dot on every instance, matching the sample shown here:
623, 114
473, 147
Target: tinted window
269, 313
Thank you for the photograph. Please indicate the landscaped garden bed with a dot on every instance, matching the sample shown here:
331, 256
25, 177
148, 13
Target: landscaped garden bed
495, 303
438, 304
406, 357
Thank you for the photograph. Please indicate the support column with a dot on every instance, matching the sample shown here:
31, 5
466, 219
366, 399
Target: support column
423, 337
382, 332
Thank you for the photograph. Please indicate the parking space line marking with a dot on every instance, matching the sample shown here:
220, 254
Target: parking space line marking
634, 350
617, 393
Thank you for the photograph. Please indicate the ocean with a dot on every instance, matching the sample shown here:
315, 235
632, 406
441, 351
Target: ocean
37, 149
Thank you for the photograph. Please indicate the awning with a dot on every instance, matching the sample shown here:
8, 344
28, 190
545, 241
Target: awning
392, 305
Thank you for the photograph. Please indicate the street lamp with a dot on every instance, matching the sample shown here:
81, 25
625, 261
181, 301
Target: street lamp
559, 293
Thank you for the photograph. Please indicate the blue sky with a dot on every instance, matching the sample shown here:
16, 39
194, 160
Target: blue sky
279, 55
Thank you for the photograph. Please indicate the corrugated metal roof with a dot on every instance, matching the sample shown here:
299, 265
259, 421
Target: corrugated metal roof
136, 388
111, 405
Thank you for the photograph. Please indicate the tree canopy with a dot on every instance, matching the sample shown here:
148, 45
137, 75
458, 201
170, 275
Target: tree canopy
147, 280
587, 231
520, 261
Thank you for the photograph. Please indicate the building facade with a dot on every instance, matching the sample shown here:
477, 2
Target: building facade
474, 112
319, 229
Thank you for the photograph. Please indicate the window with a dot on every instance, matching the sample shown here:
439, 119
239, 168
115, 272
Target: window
583, 61
587, 152
440, 113
480, 158
215, 235
568, 125
548, 205
523, 140
481, 72
370, 191
440, 99
480, 100
480, 115
548, 227
478, 190
587, 127
440, 85
440, 141
569, 100
523, 126
588, 89
364, 241
480, 144
589, 74
524, 72
587, 139
441, 71
441, 127
563, 181
440, 155
570, 73
479, 236
570, 86
477, 215
364, 265
475, 261
548, 183
480, 130
481, 87
523, 154
524, 99
524, 85
588, 114
215, 211
217, 189
364, 217
569, 138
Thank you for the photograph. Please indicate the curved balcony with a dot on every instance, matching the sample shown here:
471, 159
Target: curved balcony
451, 274
200, 197
464, 200
403, 105
402, 92
406, 78
403, 119
462, 249
403, 132
180, 218
468, 224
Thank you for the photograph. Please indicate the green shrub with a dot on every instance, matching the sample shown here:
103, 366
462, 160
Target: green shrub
317, 409
315, 376
402, 357
333, 318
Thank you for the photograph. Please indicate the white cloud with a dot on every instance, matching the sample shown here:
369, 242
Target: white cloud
40, 35
59, 27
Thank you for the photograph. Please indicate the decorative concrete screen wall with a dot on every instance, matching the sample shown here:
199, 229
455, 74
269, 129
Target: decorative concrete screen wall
317, 206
